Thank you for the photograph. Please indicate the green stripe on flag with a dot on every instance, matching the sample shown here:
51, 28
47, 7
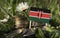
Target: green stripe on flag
39, 20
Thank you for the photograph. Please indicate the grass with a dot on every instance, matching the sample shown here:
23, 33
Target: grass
53, 5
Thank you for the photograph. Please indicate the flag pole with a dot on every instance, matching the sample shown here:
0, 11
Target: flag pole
46, 24
30, 24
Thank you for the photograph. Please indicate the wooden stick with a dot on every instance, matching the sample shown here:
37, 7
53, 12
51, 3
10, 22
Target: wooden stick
30, 24
46, 24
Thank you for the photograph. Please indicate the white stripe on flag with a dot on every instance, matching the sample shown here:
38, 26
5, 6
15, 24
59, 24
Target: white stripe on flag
45, 18
46, 13
34, 11
33, 16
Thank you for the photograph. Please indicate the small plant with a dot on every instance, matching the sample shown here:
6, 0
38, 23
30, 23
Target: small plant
11, 10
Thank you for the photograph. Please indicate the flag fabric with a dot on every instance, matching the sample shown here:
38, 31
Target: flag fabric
46, 15
41, 15
34, 14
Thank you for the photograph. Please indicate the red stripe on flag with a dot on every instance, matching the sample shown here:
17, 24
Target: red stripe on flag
33, 13
45, 15
39, 14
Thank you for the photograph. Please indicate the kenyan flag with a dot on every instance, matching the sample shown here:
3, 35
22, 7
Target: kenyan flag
39, 15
